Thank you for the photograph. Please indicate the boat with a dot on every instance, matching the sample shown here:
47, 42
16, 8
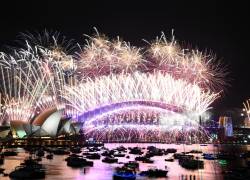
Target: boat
153, 151
9, 153
169, 159
171, 150
135, 150
29, 169
31, 163
194, 151
147, 160
60, 151
93, 149
121, 148
151, 148
209, 156
181, 155
119, 154
132, 165
27, 172
93, 156
73, 155
78, 162
109, 160
149, 155
140, 158
107, 153
154, 173
49, 156
156, 152
75, 150
40, 153
1, 161
190, 163
124, 173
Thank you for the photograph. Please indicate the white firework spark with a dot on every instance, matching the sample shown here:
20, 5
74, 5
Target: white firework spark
25, 80
138, 86
246, 108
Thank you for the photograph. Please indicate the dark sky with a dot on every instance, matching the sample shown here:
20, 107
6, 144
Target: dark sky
221, 28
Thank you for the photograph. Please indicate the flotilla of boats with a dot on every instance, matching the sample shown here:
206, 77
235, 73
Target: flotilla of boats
78, 157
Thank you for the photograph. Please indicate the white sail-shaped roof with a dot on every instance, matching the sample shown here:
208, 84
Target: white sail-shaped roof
50, 125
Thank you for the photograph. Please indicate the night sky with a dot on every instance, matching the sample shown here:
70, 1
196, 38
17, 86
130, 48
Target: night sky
221, 28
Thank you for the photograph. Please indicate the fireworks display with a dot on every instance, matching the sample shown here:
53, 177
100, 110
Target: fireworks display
246, 108
116, 89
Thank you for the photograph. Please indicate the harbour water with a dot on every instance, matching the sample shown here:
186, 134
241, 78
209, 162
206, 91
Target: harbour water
57, 169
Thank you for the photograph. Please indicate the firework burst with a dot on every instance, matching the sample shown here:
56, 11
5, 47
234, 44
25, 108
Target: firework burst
246, 108
112, 86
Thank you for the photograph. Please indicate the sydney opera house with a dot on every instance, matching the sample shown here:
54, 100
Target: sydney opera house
106, 88
47, 124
